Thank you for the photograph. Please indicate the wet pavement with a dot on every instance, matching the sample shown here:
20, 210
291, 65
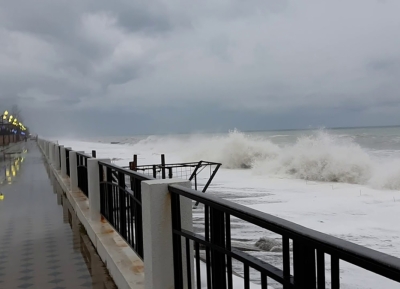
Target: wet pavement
42, 244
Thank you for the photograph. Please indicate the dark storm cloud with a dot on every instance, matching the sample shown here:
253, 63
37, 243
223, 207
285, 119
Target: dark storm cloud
199, 65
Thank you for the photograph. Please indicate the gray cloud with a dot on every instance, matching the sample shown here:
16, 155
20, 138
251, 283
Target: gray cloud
182, 66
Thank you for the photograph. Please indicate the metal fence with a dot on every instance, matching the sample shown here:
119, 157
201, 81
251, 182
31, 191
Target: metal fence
59, 154
186, 171
121, 202
67, 161
304, 264
81, 160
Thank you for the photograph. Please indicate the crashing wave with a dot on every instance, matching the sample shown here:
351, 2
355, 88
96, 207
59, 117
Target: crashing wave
316, 157
319, 156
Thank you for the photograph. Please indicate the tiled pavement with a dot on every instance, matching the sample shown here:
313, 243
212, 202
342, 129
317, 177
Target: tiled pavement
37, 249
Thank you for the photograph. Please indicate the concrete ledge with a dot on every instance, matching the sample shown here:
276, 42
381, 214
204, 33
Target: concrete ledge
123, 264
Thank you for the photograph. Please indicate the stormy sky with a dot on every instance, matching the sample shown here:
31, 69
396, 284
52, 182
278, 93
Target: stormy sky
99, 67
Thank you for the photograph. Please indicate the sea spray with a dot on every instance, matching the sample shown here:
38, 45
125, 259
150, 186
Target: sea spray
386, 175
316, 156
237, 150
320, 157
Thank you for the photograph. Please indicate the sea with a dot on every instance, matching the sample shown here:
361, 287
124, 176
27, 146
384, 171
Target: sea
366, 156
344, 182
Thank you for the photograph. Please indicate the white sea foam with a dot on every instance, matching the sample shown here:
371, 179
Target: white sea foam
318, 157
236, 150
386, 175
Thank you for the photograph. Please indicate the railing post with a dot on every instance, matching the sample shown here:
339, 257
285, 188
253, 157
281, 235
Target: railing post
55, 149
163, 166
122, 203
67, 161
94, 187
48, 151
304, 265
63, 161
58, 156
51, 153
157, 232
217, 228
73, 171
135, 162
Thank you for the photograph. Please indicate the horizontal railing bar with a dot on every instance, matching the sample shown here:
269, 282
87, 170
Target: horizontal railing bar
263, 267
253, 262
179, 164
166, 166
127, 172
84, 155
174, 165
189, 164
150, 167
372, 260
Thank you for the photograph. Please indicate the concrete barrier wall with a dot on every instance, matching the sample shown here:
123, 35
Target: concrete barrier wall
127, 269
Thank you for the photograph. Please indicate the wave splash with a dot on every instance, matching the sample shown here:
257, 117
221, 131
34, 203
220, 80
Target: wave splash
317, 157
321, 157
237, 150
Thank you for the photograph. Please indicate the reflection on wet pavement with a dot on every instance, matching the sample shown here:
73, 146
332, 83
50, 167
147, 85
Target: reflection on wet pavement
10, 165
42, 244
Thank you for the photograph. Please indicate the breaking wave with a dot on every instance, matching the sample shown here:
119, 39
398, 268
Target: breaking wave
317, 157
321, 157
237, 150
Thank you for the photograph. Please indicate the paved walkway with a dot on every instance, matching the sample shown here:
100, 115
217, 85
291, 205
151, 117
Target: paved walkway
37, 249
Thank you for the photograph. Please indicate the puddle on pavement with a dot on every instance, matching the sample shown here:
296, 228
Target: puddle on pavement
10, 167
99, 273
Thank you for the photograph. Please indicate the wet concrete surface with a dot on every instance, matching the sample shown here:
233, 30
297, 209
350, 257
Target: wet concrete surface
42, 244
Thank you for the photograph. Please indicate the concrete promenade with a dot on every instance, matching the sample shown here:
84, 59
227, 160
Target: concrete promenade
38, 249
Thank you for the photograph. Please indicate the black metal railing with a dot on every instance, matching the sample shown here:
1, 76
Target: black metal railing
81, 161
121, 202
59, 154
187, 171
67, 161
304, 251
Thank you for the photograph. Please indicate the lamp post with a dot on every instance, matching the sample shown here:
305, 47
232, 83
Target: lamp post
10, 124
3, 117
15, 136
10, 120
22, 131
